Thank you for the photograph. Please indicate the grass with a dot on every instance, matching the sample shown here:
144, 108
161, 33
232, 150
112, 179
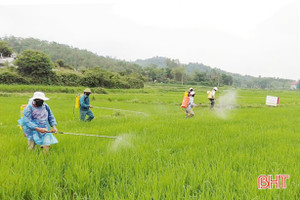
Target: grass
161, 155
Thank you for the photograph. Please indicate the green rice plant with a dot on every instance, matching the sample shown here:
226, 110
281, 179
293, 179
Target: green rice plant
162, 155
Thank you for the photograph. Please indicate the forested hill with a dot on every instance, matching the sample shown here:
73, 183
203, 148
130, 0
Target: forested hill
71, 56
163, 62
160, 62
203, 73
156, 69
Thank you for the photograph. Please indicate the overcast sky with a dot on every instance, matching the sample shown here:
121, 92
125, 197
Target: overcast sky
253, 37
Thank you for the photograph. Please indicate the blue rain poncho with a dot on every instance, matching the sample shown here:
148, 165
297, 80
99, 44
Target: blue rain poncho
84, 103
85, 108
40, 117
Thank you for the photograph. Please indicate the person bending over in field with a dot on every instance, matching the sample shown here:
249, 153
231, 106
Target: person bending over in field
189, 109
37, 117
85, 106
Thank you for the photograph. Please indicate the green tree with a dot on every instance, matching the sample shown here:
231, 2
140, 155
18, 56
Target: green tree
171, 63
5, 50
178, 73
35, 65
226, 79
60, 63
72, 57
263, 83
169, 74
155, 73
200, 77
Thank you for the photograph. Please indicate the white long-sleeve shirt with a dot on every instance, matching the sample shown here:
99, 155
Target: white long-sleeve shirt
191, 102
213, 92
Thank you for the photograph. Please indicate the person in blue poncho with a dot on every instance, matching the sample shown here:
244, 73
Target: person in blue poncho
85, 106
36, 122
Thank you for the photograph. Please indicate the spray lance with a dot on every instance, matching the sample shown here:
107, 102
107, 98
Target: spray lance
142, 113
88, 135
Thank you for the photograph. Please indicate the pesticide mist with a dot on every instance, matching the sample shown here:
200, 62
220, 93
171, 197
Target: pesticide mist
225, 104
123, 141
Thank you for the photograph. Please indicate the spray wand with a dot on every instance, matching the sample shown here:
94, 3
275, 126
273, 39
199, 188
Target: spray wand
88, 135
121, 110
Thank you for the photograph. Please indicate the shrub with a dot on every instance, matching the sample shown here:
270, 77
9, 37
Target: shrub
5, 49
135, 83
36, 65
70, 79
100, 78
12, 78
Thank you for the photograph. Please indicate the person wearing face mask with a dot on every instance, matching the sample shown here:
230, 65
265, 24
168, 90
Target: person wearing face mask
85, 106
36, 122
189, 110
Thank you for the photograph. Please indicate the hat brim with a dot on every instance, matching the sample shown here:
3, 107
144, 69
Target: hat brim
44, 99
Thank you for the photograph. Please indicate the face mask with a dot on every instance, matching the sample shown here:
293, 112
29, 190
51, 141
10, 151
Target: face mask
38, 103
87, 94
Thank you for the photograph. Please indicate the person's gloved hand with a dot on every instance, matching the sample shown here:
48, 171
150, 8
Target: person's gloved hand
42, 130
54, 129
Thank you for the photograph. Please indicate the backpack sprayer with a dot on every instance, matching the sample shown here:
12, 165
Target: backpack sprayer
21, 113
209, 95
77, 103
185, 100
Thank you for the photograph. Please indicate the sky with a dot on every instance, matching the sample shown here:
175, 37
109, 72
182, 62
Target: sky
249, 37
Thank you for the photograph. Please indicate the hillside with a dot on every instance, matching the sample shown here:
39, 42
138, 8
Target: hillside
160, 62
244, 81
159, 69
75, 57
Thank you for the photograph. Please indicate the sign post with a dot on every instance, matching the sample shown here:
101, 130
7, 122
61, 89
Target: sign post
272, 101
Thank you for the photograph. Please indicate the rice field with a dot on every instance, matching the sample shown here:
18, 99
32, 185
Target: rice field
216, 154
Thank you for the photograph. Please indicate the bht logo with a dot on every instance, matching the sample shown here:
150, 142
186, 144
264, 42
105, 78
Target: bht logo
265, 182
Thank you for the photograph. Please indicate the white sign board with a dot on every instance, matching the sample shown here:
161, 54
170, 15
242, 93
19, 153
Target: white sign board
272, 101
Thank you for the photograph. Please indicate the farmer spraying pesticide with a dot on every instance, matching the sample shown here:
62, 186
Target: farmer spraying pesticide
211, 96
186, 98
85, 106
37, 116
188, 103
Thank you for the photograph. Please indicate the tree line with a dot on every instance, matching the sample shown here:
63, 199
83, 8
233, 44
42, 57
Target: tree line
160, 69
36, 67
75, 65
82, 64
177, 73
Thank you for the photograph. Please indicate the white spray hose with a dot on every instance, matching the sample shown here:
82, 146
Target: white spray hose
89, 135
121, 110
